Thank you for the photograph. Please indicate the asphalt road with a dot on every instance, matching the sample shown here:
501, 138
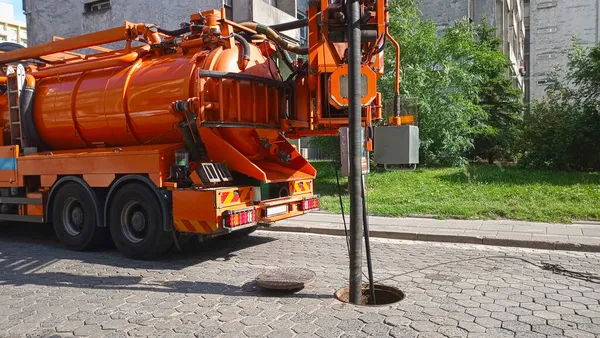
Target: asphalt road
452, 290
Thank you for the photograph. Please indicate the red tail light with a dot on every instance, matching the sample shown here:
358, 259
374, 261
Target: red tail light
311, 203
238, 218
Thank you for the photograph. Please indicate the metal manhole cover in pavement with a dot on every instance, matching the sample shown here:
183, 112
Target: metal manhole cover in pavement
285, 278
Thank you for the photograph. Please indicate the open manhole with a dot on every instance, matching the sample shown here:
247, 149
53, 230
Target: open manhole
284, 279
384, 295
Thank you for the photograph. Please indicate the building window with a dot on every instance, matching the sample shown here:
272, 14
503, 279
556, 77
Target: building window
547, 30
96, 6
547, 4
543, 82
304, 30
546, 56
271, 2
13, 35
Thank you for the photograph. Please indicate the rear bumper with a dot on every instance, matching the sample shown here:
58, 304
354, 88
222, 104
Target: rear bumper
293, 207
223, 210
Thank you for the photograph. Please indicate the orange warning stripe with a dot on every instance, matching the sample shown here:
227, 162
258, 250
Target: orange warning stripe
235, 196
186, 225
302, 186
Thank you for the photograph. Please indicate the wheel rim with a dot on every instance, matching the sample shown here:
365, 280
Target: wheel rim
73, 216
134, 222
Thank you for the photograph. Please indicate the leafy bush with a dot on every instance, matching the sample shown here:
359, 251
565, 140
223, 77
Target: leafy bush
456, 78
563, 131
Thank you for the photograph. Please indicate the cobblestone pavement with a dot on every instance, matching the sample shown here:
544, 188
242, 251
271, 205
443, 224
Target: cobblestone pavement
502, 232
452, 290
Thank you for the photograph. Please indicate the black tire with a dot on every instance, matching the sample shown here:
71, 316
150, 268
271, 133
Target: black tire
136, 223
74, 218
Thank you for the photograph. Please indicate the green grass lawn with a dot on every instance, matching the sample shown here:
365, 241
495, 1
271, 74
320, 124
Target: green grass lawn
473, 192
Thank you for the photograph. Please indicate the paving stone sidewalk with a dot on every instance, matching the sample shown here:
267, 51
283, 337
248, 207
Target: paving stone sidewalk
577, 237
452, 290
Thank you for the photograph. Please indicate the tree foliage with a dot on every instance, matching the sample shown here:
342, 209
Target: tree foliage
467, 104
500, 99
456, 77
563, 130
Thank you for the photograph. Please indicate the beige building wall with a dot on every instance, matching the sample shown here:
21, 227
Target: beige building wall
11, 30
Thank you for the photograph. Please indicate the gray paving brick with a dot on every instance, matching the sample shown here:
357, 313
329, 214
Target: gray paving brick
257, 331
194, 295
568, 230
516, 326
452, 331
376, 329
591, 328
404, 332
578, 334
471, 327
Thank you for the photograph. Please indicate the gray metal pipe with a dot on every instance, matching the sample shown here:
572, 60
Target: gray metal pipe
356, 143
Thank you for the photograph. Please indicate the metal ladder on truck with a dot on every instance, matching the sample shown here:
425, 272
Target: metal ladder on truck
17, 199
15, 84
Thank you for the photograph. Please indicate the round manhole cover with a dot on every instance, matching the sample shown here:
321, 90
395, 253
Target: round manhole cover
285, 278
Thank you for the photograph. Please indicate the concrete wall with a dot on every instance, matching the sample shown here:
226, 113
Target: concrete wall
260, 11
66, 18
444, 12
553, 23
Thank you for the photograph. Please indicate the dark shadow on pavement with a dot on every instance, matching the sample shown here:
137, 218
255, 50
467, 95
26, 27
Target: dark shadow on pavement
43, 235
26, 250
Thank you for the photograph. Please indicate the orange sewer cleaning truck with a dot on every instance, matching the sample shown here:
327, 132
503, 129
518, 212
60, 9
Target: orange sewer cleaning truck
179, 133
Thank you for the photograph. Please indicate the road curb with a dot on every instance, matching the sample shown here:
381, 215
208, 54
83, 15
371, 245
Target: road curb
492, 241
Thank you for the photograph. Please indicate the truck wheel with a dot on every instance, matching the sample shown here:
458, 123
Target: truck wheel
74, 218
136, 223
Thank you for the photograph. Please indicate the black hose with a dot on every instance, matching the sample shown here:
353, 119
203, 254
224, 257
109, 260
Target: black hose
176, 32
380, 49
245, 46
287, 26
30, 137
180, 31
188, 141
287, 59
365, 217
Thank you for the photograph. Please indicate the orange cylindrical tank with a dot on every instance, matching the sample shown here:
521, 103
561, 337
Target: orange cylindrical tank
129, 105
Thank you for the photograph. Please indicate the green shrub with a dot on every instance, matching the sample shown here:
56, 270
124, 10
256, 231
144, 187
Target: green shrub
563, 131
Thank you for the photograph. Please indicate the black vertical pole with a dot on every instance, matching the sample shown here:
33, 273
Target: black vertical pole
356, 143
